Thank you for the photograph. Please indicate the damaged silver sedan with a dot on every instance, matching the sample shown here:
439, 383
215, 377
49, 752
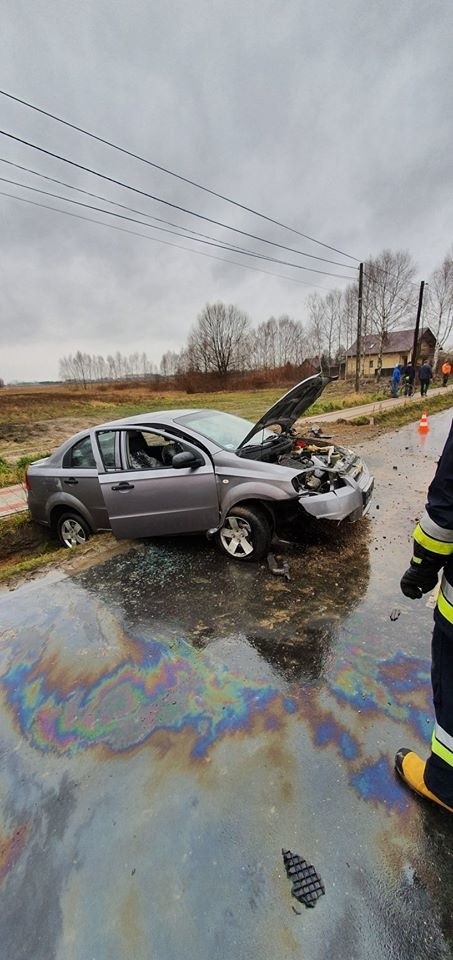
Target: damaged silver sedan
200, 471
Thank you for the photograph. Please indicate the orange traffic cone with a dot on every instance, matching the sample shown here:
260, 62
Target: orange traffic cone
423, 426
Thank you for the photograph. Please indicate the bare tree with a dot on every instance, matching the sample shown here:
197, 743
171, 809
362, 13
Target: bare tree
265, 345
169, 363
219, 341
331, 324
390, 295
440, 304
316, 314
80, 366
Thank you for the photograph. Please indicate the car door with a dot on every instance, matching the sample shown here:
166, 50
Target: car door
78, 476
146, 496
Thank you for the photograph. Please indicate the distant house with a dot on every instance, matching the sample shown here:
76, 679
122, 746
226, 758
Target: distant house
397, 349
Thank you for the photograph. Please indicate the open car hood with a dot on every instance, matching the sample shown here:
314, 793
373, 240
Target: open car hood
291, 406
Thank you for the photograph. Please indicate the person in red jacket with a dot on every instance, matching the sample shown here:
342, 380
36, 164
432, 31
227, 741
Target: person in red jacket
433, 551
446, 371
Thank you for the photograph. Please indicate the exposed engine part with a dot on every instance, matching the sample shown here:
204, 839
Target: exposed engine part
313, 482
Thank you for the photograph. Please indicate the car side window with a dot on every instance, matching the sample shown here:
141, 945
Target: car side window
80, 455
106, 443
150, 451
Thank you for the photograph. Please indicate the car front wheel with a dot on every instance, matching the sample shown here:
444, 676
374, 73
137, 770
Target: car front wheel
246, 534
72, 530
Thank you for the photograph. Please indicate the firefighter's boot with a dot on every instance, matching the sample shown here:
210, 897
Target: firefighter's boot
411, 769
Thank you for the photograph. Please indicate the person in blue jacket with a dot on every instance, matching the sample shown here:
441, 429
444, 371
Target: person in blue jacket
396, 380
433, 551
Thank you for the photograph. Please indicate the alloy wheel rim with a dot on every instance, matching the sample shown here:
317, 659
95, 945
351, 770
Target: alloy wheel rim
72, 533
236, 537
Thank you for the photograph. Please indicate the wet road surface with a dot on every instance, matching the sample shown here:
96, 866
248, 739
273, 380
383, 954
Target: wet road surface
170, 721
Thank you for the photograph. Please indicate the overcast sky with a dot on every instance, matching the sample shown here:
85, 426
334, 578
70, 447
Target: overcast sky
333, 116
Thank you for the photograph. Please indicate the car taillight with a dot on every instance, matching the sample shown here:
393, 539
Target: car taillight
27, 481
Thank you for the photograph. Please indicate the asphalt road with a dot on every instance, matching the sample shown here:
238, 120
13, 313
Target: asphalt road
169, 721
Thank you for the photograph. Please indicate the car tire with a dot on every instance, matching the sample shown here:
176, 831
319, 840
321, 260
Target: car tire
72, 529
246, 534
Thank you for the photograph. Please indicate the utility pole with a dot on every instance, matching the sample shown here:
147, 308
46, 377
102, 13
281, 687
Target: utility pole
417, 323
359, 331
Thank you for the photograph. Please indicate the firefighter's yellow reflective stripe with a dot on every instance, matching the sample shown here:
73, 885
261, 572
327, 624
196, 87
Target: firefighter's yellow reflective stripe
416, 560
447, 589
439, 745
443, 737
433, 529
444, 607
431, 544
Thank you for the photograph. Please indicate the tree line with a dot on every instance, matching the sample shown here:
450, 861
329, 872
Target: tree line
90, 368
223, 338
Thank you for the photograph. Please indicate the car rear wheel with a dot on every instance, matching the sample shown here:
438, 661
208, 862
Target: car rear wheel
246, 534
72, 529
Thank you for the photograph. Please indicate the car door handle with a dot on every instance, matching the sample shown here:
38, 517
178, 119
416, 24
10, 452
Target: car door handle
70, 482
124, 485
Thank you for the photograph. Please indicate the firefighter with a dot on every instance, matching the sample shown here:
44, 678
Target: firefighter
433, 550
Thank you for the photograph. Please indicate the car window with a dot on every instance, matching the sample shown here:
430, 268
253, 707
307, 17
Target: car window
80, 455
106, 442
146, 450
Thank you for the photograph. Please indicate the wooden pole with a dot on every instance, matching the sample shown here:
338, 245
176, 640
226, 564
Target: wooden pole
359, 331
417, 323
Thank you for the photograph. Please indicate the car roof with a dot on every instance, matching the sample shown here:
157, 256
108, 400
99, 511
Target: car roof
159, 416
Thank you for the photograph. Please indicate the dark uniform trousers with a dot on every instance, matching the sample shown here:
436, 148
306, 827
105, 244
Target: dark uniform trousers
439, 773
433, 549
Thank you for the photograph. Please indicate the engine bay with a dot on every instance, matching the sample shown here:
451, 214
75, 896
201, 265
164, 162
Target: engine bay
322, 464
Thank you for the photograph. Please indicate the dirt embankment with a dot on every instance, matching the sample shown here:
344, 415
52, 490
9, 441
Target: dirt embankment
18, 439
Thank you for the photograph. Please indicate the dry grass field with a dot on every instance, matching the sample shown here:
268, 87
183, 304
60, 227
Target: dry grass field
19, 404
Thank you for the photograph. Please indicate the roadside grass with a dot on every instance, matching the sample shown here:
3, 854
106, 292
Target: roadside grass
401, 415
24, 546
13, 471
16, 565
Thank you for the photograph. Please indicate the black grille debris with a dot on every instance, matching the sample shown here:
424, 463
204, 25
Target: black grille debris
307, 885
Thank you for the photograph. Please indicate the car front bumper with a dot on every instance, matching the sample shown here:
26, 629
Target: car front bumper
350, 502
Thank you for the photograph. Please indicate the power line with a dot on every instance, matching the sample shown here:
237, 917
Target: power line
167, 243
171, 173
151, 196
142, 213
209, 243
115, 203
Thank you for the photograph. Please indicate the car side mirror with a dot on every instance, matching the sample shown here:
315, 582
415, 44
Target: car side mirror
186, 459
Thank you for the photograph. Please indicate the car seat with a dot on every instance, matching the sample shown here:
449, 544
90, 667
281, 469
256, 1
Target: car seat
139, 456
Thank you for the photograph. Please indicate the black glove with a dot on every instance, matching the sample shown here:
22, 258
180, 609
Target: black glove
417, 580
